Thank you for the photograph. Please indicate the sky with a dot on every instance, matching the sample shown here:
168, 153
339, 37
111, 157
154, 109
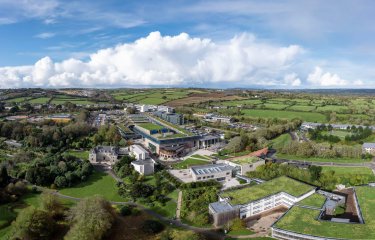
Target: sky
177, 43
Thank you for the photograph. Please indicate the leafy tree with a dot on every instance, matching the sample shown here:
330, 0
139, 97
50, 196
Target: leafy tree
4, 177
315, 172
91, 219
32, 223
51, 204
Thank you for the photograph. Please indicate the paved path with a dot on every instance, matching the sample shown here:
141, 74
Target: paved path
179, 202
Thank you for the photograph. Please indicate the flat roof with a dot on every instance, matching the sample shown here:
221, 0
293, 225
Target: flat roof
219, 207
281, 184
304, 220
368, 145
211, 168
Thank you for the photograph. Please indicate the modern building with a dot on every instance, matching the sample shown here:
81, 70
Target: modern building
138, 152
306, 220
368, 148
209, 140
144, 167
218, 118
251, 201
218, 172
174, 118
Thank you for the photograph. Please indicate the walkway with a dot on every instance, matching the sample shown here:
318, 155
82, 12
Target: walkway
179, 202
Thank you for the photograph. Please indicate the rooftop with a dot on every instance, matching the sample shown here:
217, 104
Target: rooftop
211, 168
219, 207
280, 184
368, 145
245, 160
151, 126
304, 220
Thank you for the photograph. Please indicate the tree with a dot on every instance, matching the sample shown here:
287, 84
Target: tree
315, 172
91, 218
4, 177
32, 223
51, 204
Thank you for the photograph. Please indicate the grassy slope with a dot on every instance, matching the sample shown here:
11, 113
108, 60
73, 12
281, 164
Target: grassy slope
97, 184
190, 162
306, 116
319, 159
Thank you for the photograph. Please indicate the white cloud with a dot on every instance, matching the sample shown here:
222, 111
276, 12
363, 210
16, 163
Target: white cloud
292, 80
45, 35
163, 60
325, 79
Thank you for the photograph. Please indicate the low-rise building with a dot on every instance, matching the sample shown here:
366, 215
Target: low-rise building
368, 148
250, 201
138, 152
144, 167
218, 172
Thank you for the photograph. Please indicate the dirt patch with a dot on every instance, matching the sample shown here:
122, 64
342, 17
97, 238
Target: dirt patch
201, 97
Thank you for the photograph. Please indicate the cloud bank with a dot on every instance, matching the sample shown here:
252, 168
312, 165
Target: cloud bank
179, 60
162, 60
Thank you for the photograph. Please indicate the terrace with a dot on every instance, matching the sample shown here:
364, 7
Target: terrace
305, 221
280, 184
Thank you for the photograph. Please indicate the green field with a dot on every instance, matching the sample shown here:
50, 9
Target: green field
304, 220
190, 162
281, 141
319, 159
349, 170
252, 193
41, 100
305, 116
98, 184
84, 155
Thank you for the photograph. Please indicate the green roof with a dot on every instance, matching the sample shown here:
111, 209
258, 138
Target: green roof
151, 126
315, 200
304, 220
280, 184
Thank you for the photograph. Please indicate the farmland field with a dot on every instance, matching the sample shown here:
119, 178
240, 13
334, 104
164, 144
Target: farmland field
349, 170
305, 116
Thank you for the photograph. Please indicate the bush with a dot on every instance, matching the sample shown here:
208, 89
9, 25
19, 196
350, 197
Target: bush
126, 210
152, 226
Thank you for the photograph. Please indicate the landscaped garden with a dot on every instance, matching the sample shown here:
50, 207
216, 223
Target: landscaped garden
190, 162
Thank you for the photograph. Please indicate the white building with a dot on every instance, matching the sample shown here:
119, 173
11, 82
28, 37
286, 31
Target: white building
104, 154
368, 148
138, 152
144, 167
218, 172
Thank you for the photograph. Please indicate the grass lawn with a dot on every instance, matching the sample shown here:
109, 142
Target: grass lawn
349, 170
41, 100
315, 200
98, 184
190, 162
201, 157
280, 184
281, 141
169, 210
319, 159
306, 116
84, 155
241, 232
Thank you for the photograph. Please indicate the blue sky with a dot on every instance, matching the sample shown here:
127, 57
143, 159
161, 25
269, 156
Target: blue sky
238, 43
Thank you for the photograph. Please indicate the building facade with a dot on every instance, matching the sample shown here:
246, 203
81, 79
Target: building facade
218, 172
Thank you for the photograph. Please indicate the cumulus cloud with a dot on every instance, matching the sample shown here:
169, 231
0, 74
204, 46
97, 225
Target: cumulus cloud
292, 80
163, 60
325, 79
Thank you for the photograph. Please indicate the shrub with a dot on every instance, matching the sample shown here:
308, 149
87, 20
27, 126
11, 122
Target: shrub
152, 226
126, 210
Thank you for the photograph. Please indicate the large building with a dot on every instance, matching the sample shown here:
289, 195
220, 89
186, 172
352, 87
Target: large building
307, 219
104, 154
174, 118
251, 201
